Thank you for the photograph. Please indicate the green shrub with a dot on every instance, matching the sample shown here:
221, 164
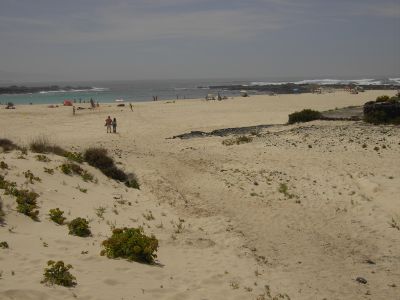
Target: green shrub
98, 158
7, 145
4, 245
3, 165
29, 175
42, 158
132, 181
306, 115
115, 173
26, 203
56, 215
48, 170
58, 273
383, 98
132, 244
79, 227
86, 176
75, 156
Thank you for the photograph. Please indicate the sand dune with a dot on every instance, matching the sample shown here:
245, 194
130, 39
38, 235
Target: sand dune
303, 209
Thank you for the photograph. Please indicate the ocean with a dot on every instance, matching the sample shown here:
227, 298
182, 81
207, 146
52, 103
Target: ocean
145, 90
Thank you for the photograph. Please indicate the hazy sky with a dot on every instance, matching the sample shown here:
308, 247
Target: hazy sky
156, 39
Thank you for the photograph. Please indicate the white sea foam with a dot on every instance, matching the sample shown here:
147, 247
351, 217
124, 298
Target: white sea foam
363, 81
93, 89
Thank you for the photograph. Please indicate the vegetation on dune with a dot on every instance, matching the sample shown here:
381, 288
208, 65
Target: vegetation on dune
79, 227
132, 244
58, 273
8, 145
70, 168
306, 115
4, 245
98, 158
384, 110
3, 166
26, 200
56, 215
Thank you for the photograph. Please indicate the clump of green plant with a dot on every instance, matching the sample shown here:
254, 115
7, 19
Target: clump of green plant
75, 156
98, 158
4, 245
27, 204
7, 145
148, 215
56, 215
58, 273
49, 170
31, 178
283, 188
100, 212
132, 244
42, 158
70, 168
41, 144
395, 223
383, 98
3, 165
79, 227
306, 115
81, 189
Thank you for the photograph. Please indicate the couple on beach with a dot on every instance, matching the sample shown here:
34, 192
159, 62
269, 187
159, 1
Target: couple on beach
109, 123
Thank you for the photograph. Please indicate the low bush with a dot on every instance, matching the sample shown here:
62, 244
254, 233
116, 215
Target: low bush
4, 245
98, 158
56, 215
27, 204
79, 227
3, 165
115, 173
383, 98
71, 168
306, 115
31, 178
75, 156
132, 244
58, 273
132, 181
7, 145
42, 145
48, 170
42, 158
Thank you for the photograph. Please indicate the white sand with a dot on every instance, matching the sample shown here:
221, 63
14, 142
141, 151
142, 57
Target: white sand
240, 233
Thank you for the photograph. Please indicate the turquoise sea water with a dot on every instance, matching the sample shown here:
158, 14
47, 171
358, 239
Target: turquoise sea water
130, 91
144, 90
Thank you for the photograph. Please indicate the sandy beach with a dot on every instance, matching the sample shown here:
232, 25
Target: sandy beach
299, 212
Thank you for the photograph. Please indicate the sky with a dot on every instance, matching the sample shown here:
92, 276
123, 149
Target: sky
186, 39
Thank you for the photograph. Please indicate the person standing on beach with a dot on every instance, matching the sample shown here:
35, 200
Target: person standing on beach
114, 125
108, 124
131, 106
73, 110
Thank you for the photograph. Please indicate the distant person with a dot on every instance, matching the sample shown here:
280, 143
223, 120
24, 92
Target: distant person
108, 124
131, 106
73, 110
98, 105
114, 125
